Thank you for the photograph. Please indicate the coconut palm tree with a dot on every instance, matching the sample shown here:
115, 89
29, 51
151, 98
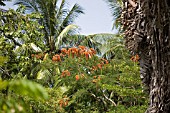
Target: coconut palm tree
147, 32
57, 20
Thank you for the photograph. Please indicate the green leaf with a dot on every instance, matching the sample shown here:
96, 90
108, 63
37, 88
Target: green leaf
64, 33
35, 47
3, 60
3, 84
28, 88
40, 74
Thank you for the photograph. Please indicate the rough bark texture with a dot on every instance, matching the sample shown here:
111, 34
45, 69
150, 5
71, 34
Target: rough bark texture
147, 32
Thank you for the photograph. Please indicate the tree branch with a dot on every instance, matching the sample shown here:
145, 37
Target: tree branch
109, 99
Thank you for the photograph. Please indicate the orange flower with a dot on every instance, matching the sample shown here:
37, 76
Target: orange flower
61, 102
81, 52
65, 73
62, 55
82, 47
86, 54
32, 55
94, 80
73, 54
77, 77
63, 50
74, 49
99, 66
54, 58
106, 61
58, 57
68, 73
66, 103
135, 58
39, 56
69, 51
94, 68
93, 51
94, 77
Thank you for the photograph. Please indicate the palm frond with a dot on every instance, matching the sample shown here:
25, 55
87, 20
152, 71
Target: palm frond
64, 33
61, 11
102, 37
96, 41
29, 4
105, 44
72, 14
56, 21
74, 40
116, 9
114, 47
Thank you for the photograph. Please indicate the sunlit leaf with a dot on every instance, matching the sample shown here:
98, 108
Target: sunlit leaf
34, 47
3, 84
29, 88
3, 60
64, 33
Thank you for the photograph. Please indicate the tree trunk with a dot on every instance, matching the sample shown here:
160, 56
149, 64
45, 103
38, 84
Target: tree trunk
147, 33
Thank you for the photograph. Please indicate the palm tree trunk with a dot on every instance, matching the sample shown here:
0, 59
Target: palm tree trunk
147, 24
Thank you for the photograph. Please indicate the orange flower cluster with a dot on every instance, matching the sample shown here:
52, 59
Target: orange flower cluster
56, 58
104, 61
79, 76
100, 65
88, 53
63, 102
95, 68
75, 52
65, 73
81, 50
38, 56
96, 79
135, 58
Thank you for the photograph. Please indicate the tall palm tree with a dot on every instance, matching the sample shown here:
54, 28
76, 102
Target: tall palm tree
147, 32
57, 21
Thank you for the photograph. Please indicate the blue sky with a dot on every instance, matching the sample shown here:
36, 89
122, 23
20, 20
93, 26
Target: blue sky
97, 17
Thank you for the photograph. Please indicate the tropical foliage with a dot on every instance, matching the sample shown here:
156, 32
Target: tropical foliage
94, 73
57, 20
